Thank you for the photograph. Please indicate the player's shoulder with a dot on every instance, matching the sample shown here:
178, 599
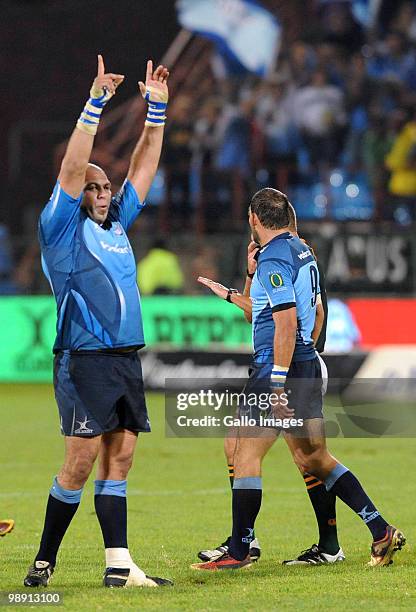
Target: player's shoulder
277, 248
126, 190
301, 251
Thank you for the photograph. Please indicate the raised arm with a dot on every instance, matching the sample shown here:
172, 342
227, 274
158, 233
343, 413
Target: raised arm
146, 155
78, 152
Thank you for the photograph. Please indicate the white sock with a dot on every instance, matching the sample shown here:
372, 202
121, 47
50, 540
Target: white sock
118, 557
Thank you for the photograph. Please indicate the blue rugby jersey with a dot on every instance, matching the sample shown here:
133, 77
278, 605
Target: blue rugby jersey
286, 274
92, 272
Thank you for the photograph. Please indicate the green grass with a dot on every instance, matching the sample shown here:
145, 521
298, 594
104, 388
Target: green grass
179, 502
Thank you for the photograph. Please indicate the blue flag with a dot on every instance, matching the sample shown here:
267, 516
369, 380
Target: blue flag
243, 30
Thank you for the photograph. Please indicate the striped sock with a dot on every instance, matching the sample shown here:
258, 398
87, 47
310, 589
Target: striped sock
323, 503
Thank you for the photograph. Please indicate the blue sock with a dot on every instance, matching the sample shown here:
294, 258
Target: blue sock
111, 508
60, 510
247, 493
346, 486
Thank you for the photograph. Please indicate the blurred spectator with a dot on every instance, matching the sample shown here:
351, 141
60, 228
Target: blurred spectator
177, 156
339, 28
7, 285
28, 276
358, 95
377, 142
234, 151
159, 272
401, 161
276, 119
301, 62
342, 334
320, 115
394, 61
206, 133
204, 264
405, 21
331, 61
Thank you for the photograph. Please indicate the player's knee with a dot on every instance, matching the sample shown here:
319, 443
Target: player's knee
117, 467
308, 460
123, 464
75, 473
247, 466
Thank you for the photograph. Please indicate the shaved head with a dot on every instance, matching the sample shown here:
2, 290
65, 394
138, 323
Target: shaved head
94, 171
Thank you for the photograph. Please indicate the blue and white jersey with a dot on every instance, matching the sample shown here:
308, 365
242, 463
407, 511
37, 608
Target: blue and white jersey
92, 272
286, 276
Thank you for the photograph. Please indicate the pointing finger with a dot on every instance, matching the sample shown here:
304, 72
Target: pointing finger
100, 69
149, 70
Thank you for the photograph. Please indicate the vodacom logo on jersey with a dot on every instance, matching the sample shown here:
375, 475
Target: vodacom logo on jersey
114, 248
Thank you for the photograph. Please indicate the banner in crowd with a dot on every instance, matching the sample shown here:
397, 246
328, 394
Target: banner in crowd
242, 29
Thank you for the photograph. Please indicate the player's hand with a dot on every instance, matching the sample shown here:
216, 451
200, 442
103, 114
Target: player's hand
216, 288
252, 249
156, 87
105, 81
279, 404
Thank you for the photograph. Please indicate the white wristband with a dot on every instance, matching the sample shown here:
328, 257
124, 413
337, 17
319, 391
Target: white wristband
278, 376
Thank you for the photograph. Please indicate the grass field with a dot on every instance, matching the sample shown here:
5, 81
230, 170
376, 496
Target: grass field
179, 502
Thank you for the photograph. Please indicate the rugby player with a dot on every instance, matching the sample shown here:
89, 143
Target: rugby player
323, 502
284, 295
89, 263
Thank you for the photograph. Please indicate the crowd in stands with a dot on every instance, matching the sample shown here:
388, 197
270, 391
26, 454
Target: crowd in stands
333, 125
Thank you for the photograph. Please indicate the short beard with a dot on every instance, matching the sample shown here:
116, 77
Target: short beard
255, 235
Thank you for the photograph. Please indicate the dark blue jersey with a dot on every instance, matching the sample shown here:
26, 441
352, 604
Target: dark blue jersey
92, 272
286, 275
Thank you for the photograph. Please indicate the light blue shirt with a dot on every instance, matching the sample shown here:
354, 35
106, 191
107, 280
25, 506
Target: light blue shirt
92, 272
286, 276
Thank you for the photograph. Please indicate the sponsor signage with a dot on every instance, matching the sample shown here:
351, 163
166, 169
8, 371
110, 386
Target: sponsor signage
202, 322
367, 262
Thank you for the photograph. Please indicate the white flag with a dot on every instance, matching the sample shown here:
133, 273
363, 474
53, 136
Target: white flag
245, 30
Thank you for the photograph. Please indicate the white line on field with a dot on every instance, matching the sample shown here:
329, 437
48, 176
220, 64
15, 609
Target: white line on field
144, 493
